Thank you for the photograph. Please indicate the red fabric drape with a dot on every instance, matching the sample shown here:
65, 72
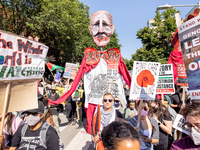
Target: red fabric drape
84, 68
124, 72
175, 58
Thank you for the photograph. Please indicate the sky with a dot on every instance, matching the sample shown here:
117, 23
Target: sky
131, 15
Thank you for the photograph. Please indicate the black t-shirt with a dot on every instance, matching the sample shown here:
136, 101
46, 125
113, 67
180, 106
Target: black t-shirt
176, 99
163, 136
52, 140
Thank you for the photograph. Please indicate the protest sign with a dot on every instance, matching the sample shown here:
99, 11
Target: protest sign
70, 70
189, 33
22, 95
21, 58
165, 80
57, 77
179, 123
144, 80
181, 75
60, 91
41, 89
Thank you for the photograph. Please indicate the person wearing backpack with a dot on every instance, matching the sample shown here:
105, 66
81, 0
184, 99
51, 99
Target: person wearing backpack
36, 134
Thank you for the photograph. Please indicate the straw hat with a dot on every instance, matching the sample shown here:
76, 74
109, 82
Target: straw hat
52, 87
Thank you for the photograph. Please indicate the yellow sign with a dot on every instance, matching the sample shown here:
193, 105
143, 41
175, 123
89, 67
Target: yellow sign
60, 92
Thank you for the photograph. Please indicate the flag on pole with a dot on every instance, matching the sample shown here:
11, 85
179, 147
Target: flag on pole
52, 67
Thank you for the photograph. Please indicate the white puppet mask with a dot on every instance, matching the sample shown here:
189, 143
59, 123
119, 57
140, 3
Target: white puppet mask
101, 28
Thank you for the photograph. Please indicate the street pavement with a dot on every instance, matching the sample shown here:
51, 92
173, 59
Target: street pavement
72, 137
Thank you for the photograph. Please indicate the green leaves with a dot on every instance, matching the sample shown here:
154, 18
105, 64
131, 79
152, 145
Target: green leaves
157, 40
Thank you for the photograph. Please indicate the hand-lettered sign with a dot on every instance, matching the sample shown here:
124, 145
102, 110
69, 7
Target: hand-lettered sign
21, 58
189, 33
179, 123
70, 70
181, 75
165, 80
144, 80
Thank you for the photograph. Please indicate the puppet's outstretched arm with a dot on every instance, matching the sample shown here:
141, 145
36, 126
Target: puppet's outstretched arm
84, 68
124, 72
73, 87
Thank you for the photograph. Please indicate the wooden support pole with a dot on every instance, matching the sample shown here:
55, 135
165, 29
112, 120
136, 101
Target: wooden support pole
162, 99
4, 109
183, 96
109, 89
77, 110
67, 85
44, 87
139, 113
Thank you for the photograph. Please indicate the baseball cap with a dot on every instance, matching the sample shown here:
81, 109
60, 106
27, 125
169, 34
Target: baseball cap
40, 108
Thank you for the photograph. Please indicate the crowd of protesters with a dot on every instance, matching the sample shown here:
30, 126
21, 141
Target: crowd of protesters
154, 131
119, 126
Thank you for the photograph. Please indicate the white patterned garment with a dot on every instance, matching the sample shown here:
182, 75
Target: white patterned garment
95, 84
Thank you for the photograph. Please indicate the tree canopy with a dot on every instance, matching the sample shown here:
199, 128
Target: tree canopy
156, 40
60, 24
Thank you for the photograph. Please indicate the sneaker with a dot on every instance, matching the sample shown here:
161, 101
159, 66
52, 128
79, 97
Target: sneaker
70, 122
73, 123
80, 127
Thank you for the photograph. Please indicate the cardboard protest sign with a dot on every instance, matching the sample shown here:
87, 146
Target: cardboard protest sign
41, 89
144, 80
60, 91
57, 77
70, 70
21, 58
23, 95
165, 80
179, 124
189, 33
181, 75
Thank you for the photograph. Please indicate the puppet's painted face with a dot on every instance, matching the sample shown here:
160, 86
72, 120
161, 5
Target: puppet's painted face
101, 28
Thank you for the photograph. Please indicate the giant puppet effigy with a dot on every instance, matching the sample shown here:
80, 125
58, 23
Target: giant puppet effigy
102, 70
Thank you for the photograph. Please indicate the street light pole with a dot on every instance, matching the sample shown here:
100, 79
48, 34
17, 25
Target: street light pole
169, 6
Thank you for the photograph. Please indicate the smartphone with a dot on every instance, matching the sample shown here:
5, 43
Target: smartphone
143, 136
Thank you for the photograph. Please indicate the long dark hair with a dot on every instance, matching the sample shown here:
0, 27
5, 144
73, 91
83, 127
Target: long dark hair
161, 111
9, 125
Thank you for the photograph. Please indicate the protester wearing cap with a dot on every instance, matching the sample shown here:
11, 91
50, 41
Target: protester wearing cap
54, 96
191, 112
176, 99
35, 134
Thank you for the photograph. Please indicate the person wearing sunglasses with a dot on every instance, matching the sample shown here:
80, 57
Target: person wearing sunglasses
191, 112
108, 114
148, 127
35, 134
